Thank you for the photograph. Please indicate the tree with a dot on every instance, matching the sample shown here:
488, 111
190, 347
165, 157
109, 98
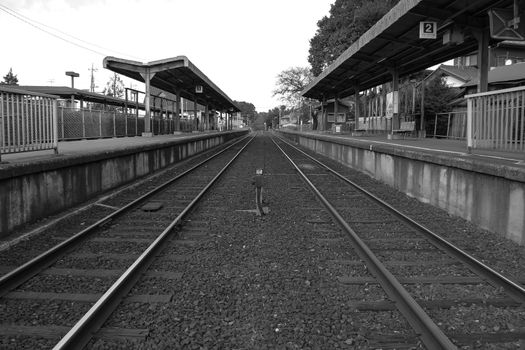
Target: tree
437, 100
10, 78
114, 87
347, 21
272, 117
290, 83
248, 111
438, 95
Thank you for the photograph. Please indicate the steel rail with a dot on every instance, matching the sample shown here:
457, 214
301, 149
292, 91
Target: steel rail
514, 289
21, 274
431, 335
83, 330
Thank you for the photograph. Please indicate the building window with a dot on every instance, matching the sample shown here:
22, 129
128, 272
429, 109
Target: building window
471, 60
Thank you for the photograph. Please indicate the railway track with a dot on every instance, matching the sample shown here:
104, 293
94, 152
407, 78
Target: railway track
233, 278
426, 277
101, 263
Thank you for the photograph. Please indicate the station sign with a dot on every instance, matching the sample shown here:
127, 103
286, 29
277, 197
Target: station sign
427, 30
392, 103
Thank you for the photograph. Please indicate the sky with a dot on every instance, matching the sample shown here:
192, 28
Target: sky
241, 45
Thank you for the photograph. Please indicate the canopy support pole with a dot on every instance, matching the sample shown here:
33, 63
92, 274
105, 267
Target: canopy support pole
147, 76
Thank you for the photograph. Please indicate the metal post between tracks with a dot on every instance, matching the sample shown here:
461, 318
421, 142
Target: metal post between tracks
258, 182
83, 330
431, 335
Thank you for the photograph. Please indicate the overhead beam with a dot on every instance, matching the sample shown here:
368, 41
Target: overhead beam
448, 17
431, 12
361, 56
400, 40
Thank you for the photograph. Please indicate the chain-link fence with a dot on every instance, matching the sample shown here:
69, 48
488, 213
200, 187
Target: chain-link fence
74, 124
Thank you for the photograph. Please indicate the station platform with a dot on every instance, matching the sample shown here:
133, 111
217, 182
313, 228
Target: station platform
512, 162
90, 146
453, 148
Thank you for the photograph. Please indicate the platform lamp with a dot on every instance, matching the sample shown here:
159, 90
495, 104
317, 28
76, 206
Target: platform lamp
73, 75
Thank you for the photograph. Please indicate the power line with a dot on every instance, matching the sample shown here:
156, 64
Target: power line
30, 21
50, 33
69, 35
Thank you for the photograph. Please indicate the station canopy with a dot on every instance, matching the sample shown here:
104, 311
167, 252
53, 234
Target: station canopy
66, 93
172, 75
393, 43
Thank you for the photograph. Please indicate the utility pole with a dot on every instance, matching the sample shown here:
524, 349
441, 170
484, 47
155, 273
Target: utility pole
92, 86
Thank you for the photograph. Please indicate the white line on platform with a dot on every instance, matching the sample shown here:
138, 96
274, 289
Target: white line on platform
518, 161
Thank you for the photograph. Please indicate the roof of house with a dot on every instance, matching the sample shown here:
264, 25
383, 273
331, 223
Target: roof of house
514, 73
465, 73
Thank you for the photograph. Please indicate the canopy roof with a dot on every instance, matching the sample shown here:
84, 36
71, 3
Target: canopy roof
393, 43
172, 75
66, 93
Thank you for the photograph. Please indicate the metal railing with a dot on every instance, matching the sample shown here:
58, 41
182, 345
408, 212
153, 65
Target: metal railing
28, 121
32, 122
496, 120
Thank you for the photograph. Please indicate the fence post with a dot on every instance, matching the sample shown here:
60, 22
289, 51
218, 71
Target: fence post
435, 125
137, 116
62, 119
448, 124
2, 125
114, 124
469, 125
100, 123
55, 126
83, 123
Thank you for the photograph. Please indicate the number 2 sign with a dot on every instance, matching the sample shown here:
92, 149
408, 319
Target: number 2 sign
427, 30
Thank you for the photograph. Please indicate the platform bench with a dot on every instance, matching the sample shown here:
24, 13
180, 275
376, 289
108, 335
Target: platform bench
362, 130
405, 127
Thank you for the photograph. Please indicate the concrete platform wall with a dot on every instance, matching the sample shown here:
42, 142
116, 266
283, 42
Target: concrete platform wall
491, 197
32, 191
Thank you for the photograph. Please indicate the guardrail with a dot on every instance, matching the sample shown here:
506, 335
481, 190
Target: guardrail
28, 121
496, 120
